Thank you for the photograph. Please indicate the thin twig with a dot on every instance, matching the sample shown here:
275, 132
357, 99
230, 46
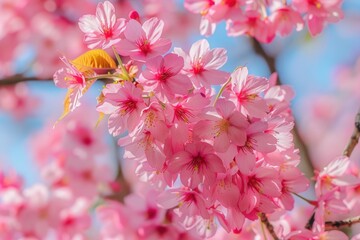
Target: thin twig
18, 78
268, 225
299, 141
311, 221
354, 137
342, 223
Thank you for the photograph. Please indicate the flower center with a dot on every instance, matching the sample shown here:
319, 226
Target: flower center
144, 46
108, 33
127, 106
196, 163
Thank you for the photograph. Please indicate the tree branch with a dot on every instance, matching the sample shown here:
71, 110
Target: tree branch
18, 78
354, 137
299, 141
268, 225
311, 221
343, 223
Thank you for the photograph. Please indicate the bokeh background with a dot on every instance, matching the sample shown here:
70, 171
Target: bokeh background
324, 72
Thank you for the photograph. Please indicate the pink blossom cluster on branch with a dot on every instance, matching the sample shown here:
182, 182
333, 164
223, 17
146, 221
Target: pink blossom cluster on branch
214, 159
265, 19
214, 165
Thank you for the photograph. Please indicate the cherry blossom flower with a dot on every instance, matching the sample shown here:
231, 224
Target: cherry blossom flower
74, 80
253, 24
245, 93
198, 161
190, 202
162, 76
319, 12
124, 102
334, 174
104, 29
143, 42
225, 125
202, 64
262, 184
285, 19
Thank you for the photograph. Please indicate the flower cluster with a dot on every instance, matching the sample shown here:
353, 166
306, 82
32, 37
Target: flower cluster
214, 159
264, 19
73, 174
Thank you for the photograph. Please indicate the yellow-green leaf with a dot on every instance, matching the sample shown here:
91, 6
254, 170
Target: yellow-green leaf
67, 102
100, 100
94, 59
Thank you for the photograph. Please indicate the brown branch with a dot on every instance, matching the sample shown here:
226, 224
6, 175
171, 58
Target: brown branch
299, 141
354, 137
268, 225
270, 60
18, 78
311, 221
342, 223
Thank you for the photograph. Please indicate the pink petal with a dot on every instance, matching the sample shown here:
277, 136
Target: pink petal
116, 124
335, 235
316, 24
160, 47
178, 161
88, 24
173, 63
245, 162
287, 200
238, 120
126, 47
270, 188
153, 29
180, 84
238, 79
265, 143
105, 12
215, 59
238, 136
221, 142
198, 49
134, 31
168, 199
213, 77
225, 108
228, 194
214, 163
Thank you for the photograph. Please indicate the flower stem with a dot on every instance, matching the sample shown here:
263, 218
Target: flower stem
305, 199
264, 220
122, 67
